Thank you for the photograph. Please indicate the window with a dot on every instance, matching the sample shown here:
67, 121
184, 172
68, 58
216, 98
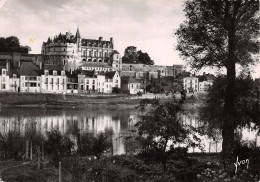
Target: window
116, 81
3, 86
87, 88
87, 81
46, 80
51, 80
93, 82
3, 72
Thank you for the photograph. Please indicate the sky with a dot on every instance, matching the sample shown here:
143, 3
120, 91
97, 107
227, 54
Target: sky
148, 25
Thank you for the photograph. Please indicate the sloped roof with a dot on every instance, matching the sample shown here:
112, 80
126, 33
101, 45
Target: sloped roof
206, 77
101, 65
129, 79
53, 67
132, 80
88, 73
12, 72
29, 69
110, 74
115, 52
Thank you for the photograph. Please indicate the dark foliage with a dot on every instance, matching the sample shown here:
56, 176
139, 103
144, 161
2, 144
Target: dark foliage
12, 44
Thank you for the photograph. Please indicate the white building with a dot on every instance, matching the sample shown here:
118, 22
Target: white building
191, 84
4, 80
205, 85
132, 85
89, 82
14, 83
53, 81
30, 77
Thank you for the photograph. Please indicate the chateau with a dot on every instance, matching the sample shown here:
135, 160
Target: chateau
69, 52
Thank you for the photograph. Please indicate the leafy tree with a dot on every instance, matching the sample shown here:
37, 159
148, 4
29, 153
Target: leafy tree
132, 56
100, 144
221, 34
160, 127
246, 105
58, 145
12, 44
144, 58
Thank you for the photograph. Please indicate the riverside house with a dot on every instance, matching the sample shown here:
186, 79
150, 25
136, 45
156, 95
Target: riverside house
53, 81
30, 77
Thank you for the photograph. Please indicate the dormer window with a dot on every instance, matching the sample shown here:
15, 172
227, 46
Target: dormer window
4, 72
62, 73
54, 73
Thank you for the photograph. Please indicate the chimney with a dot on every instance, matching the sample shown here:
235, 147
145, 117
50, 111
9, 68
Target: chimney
40, 65
100, 38
7, 66
111, 39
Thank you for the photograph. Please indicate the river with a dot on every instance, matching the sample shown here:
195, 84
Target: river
95, 120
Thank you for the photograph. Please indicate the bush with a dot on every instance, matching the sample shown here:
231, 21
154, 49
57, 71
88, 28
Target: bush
57, 145
116, 90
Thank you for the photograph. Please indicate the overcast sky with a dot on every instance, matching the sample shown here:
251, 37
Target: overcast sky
148, 25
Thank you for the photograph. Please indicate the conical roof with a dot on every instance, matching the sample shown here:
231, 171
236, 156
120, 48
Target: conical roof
77, 34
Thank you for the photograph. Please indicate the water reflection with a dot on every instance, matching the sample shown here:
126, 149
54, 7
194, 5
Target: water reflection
44, 120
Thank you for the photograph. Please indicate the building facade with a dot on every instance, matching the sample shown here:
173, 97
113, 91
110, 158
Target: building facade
53, 81
191, 84
4, 80
71, 51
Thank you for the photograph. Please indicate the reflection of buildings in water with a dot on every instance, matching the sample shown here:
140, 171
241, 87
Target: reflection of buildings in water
90, 122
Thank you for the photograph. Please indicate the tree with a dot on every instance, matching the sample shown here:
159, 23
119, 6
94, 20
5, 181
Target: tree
160, 127
246, 105
116, 90
144, 58
221, 34
57, 144
12, 44
132, 56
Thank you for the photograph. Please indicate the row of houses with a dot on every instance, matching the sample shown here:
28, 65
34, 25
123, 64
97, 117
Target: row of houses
201, 83
31, 78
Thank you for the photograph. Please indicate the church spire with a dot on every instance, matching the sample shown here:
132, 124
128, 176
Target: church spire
77, 33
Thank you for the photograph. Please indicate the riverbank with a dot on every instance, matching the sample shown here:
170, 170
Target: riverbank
111, 101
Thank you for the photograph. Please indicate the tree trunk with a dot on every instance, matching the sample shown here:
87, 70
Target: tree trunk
31, 152
229, 107
27, 149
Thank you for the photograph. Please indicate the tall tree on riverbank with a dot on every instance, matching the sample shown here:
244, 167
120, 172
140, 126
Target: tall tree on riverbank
221, 34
